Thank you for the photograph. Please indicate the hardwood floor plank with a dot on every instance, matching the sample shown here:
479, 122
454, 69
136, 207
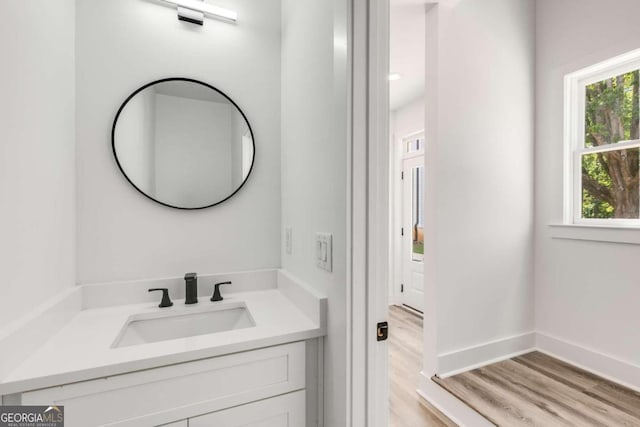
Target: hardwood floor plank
599, 388
624, 399
480, 397
554, 412
538, 390
569, 404
558, 370
434, 412
406, 407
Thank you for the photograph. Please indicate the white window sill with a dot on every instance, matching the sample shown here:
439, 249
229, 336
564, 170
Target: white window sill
596, 233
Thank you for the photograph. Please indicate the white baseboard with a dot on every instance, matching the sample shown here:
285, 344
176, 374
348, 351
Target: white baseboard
455, 362
394, 300
601, 364
455, 409
469, 358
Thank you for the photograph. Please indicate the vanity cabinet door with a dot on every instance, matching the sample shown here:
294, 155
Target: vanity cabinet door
176, 392
287, 410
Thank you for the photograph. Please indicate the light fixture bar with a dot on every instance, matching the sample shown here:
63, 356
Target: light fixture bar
207, 9
191, 16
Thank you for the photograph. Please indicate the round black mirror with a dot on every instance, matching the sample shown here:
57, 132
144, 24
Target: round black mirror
183, 143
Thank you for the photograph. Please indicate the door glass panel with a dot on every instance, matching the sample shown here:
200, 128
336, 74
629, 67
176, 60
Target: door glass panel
417, 213
414, 144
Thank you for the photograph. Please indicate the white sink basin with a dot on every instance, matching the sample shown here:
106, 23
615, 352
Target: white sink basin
153, 327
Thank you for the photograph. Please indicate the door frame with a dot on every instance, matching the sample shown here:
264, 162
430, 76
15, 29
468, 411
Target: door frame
368, 194
368, 211
406, 247
396, 205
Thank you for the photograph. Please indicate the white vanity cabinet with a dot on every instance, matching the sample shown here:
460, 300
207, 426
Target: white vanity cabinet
287, 410
282, 411
257, 388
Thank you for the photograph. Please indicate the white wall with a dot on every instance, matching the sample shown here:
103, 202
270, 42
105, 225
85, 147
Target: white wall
406, 38
587, 293
239, 129
123, 44
314, 173
37, 212
193, 171
479, 176
408, 119
135, 140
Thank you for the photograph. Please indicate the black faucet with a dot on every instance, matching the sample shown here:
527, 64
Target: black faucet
191, 288
216, 291
166, 301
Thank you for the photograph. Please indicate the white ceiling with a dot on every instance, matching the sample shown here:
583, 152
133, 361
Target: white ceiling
407, 43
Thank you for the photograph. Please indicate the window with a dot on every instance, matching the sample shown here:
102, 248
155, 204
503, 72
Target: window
602, 143
417, 213
414, 144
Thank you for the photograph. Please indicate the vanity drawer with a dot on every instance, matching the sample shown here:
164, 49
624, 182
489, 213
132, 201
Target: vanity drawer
162, 395
282, 411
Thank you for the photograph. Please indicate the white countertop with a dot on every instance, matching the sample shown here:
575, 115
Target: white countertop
82, 348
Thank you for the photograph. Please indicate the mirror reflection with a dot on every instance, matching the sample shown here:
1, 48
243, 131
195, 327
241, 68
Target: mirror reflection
183, 143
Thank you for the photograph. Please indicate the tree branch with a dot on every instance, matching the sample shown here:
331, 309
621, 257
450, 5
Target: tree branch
596, 189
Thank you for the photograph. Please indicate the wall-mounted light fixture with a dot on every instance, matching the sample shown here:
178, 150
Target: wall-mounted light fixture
194, 11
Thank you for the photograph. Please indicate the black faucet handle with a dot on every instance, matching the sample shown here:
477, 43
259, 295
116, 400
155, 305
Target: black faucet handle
190, 276
166, 301
216, 291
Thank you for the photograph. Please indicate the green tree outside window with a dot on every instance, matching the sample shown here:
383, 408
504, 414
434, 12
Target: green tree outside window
610, 184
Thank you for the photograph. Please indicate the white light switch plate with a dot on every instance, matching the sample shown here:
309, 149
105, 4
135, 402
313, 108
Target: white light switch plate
288, 240
324, 251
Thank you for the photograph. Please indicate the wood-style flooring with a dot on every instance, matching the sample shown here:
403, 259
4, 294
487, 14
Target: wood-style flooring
539, 390
407, 408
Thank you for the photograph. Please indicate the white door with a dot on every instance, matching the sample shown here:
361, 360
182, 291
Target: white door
412, 290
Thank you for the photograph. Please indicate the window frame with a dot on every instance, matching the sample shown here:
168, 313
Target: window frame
412, 137
574, 137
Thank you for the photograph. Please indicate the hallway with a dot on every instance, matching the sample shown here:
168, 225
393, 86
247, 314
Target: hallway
407, 409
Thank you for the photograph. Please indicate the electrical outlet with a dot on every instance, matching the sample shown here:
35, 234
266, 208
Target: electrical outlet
324, 251
288, 240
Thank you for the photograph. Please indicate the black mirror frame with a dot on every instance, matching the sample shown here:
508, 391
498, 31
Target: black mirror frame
183, 79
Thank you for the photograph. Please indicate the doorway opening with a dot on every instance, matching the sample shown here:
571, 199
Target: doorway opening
411, 215
406, 213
